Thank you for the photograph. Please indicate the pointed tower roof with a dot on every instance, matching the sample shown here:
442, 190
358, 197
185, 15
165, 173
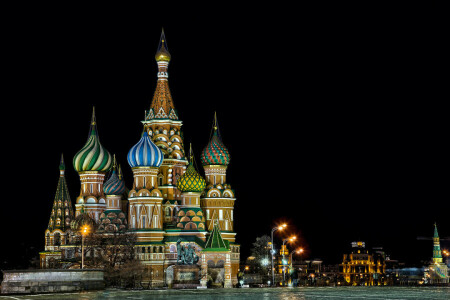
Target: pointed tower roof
436, 235
62, 212
93, 156
162, 106
437, 253
215, 242
215, 153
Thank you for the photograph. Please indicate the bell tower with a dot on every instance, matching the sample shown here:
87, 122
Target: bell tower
164, 128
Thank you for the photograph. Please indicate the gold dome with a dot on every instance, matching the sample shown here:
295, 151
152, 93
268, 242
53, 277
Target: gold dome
162, 54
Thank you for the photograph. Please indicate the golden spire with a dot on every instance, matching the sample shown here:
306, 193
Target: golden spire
93, 116
215, 121
120, 173
191, 155
114, 162
162, 54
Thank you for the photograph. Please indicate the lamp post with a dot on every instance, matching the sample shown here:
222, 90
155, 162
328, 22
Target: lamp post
283, 261
84, 231
298, 251
272, 250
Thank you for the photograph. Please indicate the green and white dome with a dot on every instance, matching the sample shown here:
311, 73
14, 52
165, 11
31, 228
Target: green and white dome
93, 156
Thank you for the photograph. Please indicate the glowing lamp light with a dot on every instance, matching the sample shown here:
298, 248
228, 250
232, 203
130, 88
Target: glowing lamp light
281, 227
84, 230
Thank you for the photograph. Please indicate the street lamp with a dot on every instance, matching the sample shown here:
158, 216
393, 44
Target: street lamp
272, 251
283, 261
84, 232
296, 251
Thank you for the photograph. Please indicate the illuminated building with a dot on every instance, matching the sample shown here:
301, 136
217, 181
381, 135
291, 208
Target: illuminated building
437, 272
361, 267
169, 200
58, 229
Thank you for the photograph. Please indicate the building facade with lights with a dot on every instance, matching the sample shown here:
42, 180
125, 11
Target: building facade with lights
360, 267
169, 201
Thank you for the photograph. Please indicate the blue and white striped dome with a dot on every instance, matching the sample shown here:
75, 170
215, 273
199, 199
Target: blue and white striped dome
145, 153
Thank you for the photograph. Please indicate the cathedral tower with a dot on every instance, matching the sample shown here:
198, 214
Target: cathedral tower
92, 162
145, 198
218, 199
58, 229
164, 127
190, 216
113, 219
61, 215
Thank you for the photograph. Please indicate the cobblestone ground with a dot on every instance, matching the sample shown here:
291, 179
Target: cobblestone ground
332, 293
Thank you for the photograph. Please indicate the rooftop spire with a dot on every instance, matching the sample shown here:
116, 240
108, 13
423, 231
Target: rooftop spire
62, 166
162, 104
215, 121
162, 54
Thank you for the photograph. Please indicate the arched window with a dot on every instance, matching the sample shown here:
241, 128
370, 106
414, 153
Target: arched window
57, 239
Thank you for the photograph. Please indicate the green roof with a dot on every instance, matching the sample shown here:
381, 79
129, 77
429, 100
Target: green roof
215, 241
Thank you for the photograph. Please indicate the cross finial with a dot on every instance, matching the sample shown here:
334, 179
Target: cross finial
215, 120
93, 116
191, 155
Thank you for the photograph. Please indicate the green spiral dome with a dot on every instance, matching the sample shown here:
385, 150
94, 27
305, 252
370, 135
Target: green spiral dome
93, 156
191, 181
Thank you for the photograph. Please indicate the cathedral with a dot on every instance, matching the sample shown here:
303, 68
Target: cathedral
169, 202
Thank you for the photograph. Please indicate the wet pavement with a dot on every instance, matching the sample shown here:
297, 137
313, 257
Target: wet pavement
301, 293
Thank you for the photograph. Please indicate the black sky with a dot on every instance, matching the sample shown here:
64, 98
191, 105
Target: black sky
336, 119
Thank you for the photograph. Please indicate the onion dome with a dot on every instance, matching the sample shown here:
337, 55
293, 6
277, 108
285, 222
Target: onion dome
215, 153
112, 221
114, 185
162, 54
145, 153
191, 181
93, 156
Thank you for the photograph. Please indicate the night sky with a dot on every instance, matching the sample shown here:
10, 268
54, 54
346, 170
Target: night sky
336, 122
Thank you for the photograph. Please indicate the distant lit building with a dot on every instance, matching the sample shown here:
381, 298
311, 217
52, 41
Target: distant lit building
437, 272
363, 268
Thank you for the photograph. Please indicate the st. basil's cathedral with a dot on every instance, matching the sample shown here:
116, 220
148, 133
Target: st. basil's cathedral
169, 201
